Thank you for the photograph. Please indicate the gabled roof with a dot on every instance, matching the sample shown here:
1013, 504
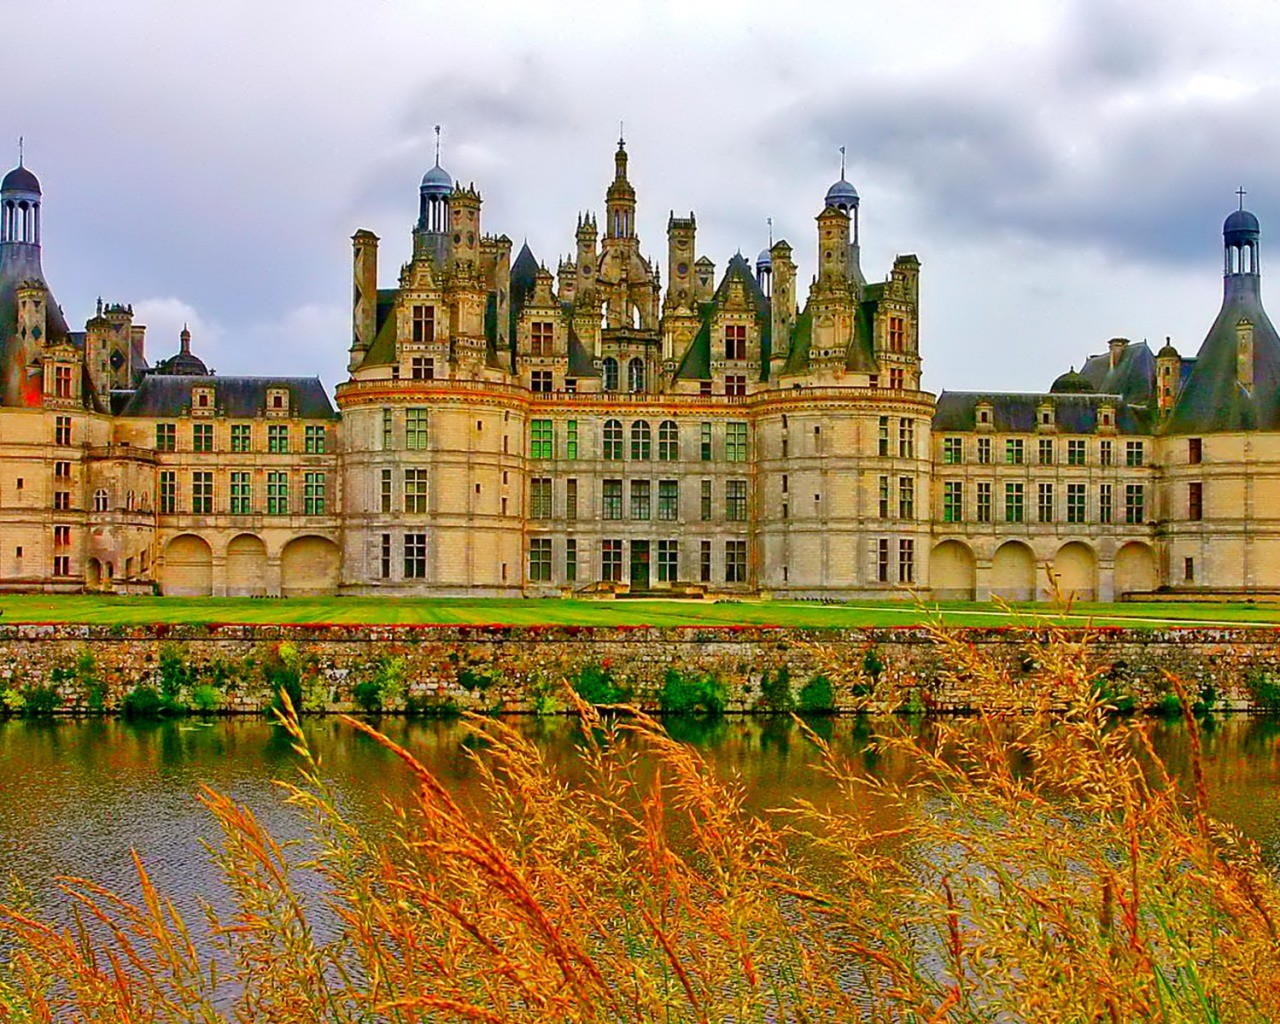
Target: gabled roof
234, 397
580, 361
1133, 376
383, 350
1016, 413
695, 363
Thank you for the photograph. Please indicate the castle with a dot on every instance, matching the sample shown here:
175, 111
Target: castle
506, 430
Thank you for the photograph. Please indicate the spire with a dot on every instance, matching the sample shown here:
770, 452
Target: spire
842, 163
19, 150
437, 145
769, 221
185, 338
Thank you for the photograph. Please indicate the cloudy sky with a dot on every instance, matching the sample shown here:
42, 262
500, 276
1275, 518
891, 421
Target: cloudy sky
1061, 168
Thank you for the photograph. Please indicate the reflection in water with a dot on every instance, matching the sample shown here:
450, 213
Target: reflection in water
77, 796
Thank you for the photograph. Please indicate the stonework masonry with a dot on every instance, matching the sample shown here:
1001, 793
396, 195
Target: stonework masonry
522, 669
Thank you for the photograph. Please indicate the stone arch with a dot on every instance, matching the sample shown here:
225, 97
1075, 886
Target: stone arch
1075, 570
952, 572
1013, 572
309, 565
246, 566
1135, 569
188, 567
92, 574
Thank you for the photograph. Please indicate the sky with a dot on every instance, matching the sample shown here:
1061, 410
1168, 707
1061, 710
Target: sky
1060, 167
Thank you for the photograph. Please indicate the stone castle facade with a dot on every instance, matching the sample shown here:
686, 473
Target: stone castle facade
506, 430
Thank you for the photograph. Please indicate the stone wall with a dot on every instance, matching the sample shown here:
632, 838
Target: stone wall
79, 668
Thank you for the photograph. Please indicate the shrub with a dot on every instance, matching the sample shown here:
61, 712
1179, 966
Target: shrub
40, 700
1265, 687
872, 665
13, 700
595, 685
95, 689
174, 674
775, 692
283, 671
433, 705
143, 702
206, 698
367, 695
1106, 689
1168, 705
544, 694
816, 696
700, 695
476, 681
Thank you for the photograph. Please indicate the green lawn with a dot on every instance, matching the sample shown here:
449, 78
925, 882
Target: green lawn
127, 610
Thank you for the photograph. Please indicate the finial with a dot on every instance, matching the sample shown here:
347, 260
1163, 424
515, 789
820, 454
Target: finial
621, 137
437, 145
19, 150
769, 221
1241, 193
842, 163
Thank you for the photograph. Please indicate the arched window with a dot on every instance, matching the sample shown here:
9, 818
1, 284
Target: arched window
668, 441
641, 440
613, 439
100, 500
130, 501
610, 370
635, 375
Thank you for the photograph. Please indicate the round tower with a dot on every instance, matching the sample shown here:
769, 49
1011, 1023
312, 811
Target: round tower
20, 208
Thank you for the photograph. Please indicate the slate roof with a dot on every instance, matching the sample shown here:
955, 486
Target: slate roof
20, 262
1133, 376
1016, 413
581, 363
234, 397
695, 364
383, 350
1211, 399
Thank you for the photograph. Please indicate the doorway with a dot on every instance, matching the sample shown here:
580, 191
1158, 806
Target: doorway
639, 565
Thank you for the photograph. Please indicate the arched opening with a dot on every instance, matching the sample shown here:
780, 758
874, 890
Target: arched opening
1135, 571
641, 440
188, 567
1075, 572
952, 572
246, 566
309, 565
1013, 572
609, 369
635, 375
100, 500
92, 574
635, 317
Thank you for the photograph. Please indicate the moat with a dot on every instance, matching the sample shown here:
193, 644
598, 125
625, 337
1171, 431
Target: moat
77, 795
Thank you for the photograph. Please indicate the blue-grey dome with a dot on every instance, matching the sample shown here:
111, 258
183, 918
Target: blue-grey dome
765, 259
437, 181
842, 194
20, 180
1240, 222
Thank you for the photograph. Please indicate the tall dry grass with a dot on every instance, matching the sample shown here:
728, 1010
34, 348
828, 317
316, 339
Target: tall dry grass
1049, 869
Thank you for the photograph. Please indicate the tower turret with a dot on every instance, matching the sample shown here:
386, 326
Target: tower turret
431, 233
681, 239
364, 295
620, 199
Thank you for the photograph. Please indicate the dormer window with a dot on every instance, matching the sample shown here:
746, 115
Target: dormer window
202, 401
277, 401
1044, 417
984, 417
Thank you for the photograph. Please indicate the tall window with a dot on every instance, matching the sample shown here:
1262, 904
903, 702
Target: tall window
1044, 503
166, 437
387, 430
640, 499
984, 451
62, 431
100, 500
1195, 500
704, 441
884, 497
735, 501
641, 440
540, 497
611, 499
571, 559
704, 561
314, 439
668, 441
609, 371
415, 491
1104, 503
952, 450
953, 501
906, 438
277, 438
313, 487
735, 442
277, 493
202, 437
542, 335
897, 378
897, 334
1134, 503
241, 437
241, 493
571, 498
984, 502
168, 492
424, 324
668, 561
906, 561
542, 439
1195, 450
1014, 451
1104, 453
882, 440
635, 375
882, 560
906, 497
385, 557
202, 493
1075, 503
415, 429
1046, 451
611, 559
669, 500
1133, 453
385, 491
704, 502
415, 556
540, 560
735, 561
62, 501
735, 341
62, 470
62, 382
1075, 452
1014, 511
571, 439
613, 439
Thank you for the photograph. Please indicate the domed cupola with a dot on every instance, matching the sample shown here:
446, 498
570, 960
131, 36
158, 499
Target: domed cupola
433, 196
842, 195
1071, 383
1240, 234
20, 207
